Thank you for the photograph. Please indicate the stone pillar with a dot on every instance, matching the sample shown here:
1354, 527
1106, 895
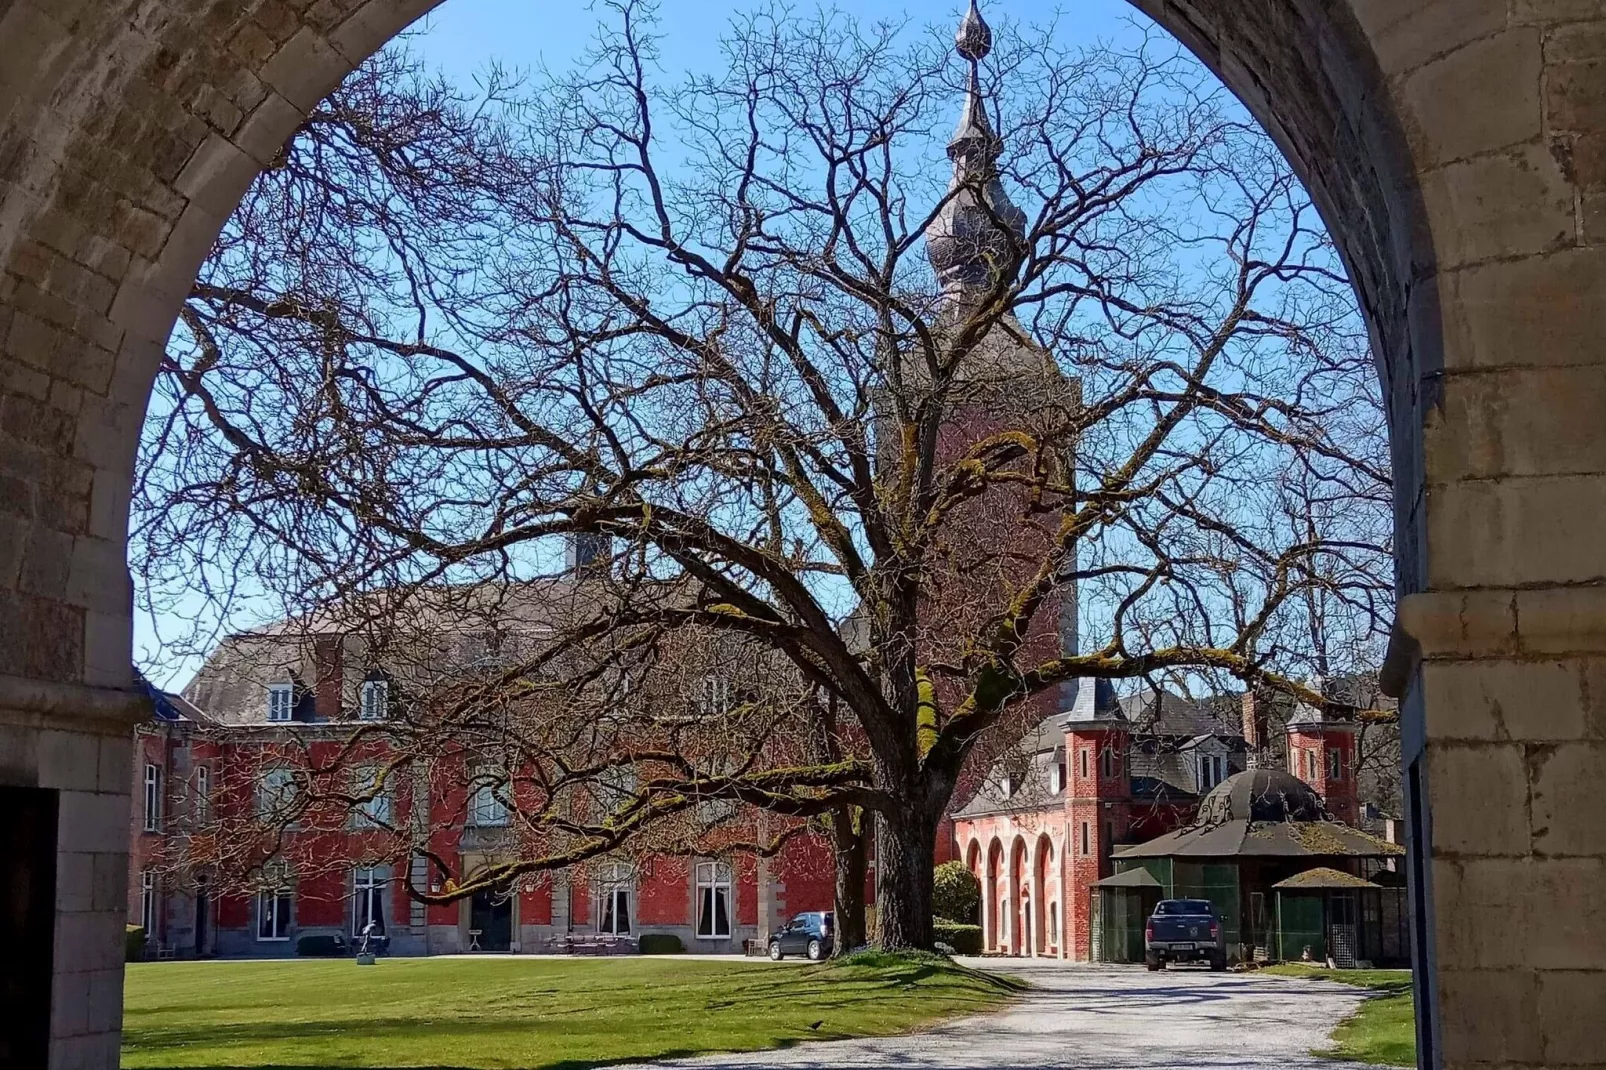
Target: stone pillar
1038, 907
989, 905
73, 746
1506, 745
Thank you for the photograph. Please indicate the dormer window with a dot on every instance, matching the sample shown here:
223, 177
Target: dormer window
1212, 771
281, 702
1007, 786
375, 700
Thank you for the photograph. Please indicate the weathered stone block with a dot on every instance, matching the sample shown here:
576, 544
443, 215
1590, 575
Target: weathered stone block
1504, 700
1407, 35
1480, 799
1561, 619
1509, 913
1510, 532
1540, 310
1490, 1015
93, 821
1507, 204
69, 761
1566, 785
1520, 422
1571, 1003
306, 69
1455, 110
1575, 96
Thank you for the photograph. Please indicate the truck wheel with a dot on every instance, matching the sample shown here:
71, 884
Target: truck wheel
1154, 967
1218, 963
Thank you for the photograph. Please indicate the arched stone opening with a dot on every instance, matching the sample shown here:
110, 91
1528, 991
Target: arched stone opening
1453, 147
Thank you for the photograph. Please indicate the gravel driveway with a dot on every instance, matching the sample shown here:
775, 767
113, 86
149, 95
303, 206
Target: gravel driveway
1105, 1017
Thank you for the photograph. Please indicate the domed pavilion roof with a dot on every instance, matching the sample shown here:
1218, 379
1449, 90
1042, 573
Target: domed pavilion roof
1261, 795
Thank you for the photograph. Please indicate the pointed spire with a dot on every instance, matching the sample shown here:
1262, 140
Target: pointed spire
966, 246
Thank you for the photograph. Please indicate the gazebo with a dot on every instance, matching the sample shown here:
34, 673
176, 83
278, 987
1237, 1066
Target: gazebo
1121, 904
1338, 916
1255, 829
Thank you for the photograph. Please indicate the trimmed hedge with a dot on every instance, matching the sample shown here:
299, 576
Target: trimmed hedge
321, 946
965, 939
133, 943
660, 944
955, 892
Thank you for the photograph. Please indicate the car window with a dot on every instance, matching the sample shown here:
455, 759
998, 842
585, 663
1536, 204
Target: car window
799, 922
1183, 906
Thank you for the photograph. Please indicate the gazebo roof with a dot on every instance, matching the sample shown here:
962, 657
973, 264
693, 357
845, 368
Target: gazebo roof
1132, 878
1265, 839
1322, 878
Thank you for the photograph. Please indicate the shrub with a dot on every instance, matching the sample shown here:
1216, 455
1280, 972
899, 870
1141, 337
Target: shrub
321, 945
133, 943
955, 892
964, 939
660, 944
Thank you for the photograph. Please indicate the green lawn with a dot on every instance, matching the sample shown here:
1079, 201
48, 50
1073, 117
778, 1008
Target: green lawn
1383, 1030
528, 1013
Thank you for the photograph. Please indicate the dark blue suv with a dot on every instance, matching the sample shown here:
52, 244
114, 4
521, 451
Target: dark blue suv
807, 934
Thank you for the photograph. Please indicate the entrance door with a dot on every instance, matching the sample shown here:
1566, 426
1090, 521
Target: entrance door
490, 914
203, 915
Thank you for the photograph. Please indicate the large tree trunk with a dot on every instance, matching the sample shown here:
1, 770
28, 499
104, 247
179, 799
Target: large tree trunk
851, 843
905, 850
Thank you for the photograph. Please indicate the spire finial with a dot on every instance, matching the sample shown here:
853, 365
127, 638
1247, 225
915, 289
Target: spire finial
965, 242
974, 38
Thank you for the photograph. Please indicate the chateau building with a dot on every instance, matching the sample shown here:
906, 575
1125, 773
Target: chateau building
1110, 773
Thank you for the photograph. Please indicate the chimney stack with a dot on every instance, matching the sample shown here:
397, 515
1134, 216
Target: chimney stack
328, 667
588, 552
1254, 727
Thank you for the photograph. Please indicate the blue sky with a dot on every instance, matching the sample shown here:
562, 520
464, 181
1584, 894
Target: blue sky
463, 37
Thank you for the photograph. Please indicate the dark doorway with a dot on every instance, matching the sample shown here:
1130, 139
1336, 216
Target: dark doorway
27, 922
490, 921
203, 915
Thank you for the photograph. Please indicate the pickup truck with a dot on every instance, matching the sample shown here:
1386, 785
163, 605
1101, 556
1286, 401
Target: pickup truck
1184, 930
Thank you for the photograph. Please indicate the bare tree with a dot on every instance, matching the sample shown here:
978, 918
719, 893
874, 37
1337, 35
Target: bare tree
924, 441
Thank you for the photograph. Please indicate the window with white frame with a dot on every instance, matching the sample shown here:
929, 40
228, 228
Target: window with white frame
375, 704
274, 905
368, 900
713, 901
1057, 773
487, 802
714, 696
153, 798
203, 793
281, 702
1212, 770
147, 903
1083, 753
1310, 765
616, 888
372, 790
277, 793
1335, 765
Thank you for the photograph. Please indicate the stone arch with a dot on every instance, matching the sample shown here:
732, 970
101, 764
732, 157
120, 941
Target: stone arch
1045, 897
1451, 147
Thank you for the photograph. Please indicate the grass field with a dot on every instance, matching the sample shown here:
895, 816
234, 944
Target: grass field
1383, 1030
561, 1014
